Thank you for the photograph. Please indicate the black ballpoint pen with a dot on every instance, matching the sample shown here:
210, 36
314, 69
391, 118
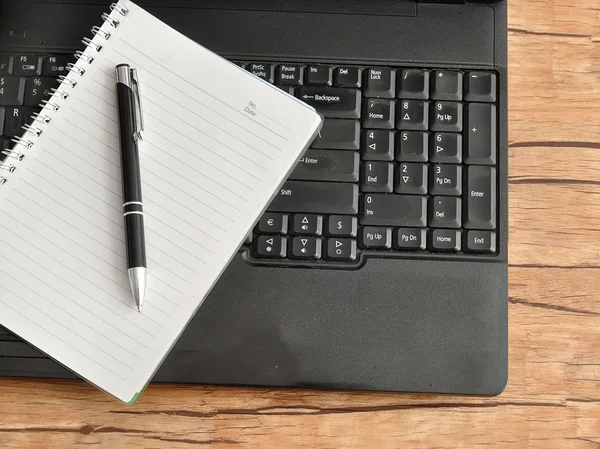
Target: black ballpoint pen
130, 128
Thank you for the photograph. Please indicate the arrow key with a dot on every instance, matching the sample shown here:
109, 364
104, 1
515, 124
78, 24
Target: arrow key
412, 115
270, 246
446, 148
341, 249
411, 178
306, 248
377, 145
308, 224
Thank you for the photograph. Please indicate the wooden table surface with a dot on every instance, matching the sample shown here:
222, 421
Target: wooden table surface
553, 396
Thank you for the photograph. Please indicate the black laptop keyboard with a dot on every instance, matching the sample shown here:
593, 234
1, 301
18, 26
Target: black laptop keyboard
405, 162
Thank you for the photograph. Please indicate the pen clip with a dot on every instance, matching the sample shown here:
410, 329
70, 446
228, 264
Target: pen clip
139, 116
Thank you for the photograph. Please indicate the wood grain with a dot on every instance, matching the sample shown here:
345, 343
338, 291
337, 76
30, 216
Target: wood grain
553, 397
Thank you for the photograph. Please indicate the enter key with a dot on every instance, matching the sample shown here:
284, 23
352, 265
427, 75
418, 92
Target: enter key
326, 165
332, 102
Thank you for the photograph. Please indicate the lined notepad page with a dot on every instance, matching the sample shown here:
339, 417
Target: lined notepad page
218, 144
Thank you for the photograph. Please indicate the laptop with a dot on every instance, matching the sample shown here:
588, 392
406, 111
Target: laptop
382, 262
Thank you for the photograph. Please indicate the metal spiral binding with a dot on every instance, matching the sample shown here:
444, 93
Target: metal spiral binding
37, 117
52, 104
67, 81
60, 93
32, 130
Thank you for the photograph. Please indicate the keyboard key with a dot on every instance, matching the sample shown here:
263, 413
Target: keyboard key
12, 90
289, 74
414, 85
5, 145
248, 240
262, 71
332, 102
2, 115
5, 64
481, 87
272, 246
56, 65
341, 249
412, 146
342, 226
411, 179
307, 224
272, 223
444, 240
317, 198
445, 212
15, 118
380, 209
27, 65
378, 145
480, 204
306, 248
38, 89
328, 165
377, 177
379, 114
372, 237
481, 241
447, 85
481, 146
380, 83
319, 75
446, 148
446, 180
447, 116
348, 77
410, 238
412, 115
287, 89
338, 135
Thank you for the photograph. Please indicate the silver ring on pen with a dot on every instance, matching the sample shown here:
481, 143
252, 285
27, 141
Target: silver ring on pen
2, 181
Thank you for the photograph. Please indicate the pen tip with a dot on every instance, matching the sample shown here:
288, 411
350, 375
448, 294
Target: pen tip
140, 308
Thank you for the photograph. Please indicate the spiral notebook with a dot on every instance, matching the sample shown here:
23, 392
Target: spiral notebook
218, 144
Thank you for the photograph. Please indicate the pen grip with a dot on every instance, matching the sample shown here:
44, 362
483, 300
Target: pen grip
135, 238
132, 184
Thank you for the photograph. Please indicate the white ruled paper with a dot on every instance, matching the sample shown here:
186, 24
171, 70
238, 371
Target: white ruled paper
218, 144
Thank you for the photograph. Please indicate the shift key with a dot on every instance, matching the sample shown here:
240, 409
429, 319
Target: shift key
316, 198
